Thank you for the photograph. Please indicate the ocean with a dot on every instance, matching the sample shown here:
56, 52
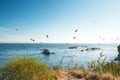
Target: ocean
79, 56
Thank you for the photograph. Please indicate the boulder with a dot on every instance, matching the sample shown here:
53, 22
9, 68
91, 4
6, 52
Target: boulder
46, 52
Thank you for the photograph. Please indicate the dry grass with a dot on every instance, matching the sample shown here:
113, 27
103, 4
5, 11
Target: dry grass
48, 76
83, 75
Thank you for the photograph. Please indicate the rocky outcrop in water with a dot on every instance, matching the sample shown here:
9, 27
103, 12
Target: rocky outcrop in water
47, 52
72, 47
91, 49
118, 57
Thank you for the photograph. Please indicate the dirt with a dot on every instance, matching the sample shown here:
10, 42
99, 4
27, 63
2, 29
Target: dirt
82, 75
69, 75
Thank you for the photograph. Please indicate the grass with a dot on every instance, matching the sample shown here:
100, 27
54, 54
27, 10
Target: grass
25, 68
97, 70
29, 68
77, 74
102, 66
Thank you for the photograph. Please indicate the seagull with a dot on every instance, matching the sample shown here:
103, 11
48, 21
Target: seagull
76, 30
16, 29
47, 36
32, 40
103, 39
74, 37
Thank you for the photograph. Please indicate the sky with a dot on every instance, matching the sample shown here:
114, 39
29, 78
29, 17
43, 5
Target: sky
96, 21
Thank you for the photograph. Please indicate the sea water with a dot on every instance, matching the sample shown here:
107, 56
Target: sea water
62, 52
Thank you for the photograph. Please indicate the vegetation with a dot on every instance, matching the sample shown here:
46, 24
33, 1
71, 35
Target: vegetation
102, 66
25, 68
28, 68
97, 70
77, 74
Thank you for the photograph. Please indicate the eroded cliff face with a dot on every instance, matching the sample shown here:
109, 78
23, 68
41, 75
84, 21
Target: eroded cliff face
119, 50
118, 57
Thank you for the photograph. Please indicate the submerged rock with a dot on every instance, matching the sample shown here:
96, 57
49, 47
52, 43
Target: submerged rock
82, 50
72, 47
91, 49
52, 53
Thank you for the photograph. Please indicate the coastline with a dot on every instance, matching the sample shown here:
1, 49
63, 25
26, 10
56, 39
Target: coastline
99, 69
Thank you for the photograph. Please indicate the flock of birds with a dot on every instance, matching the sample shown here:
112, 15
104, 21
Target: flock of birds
75, 32
33, 40
74, 37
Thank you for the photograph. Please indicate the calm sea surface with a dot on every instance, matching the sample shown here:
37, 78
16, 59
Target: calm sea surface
68, 56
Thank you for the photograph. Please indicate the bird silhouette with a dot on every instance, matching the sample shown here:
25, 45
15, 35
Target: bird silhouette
32, 40
47, 36
74, 37
76, 30
16, 29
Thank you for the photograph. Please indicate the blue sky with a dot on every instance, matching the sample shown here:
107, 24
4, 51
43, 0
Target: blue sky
97, 21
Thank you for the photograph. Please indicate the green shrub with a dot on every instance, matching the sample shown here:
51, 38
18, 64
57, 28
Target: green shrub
24, 69
102, 66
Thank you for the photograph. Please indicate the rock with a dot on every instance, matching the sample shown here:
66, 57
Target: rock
82, 50
95, 48
41, 49
72, 47
46, 52
88, 49
91, 49
119, 50
118, 57
52, 53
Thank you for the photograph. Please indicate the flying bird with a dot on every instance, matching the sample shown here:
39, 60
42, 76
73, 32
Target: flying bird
47, 36
74, 37
32, 40
103, 39
76, 30
16, 29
